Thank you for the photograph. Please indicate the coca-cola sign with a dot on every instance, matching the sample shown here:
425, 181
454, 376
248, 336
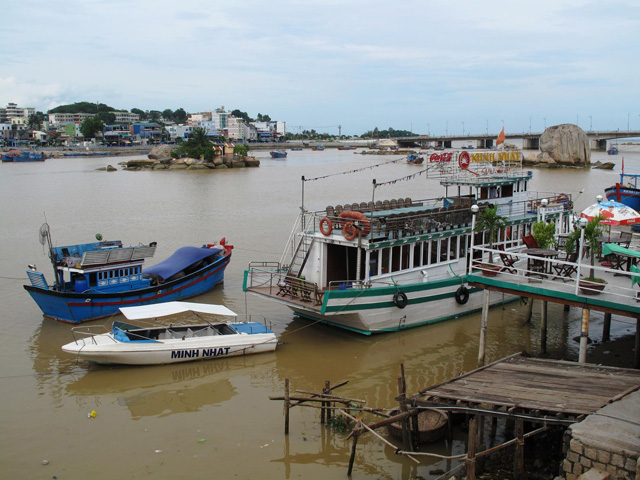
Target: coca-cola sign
441, 157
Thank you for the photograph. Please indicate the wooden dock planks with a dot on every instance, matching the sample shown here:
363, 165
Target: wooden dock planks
556, 387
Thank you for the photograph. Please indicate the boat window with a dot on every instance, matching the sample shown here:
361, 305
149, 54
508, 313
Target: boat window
426, 252
406, 249
417, 254
463, 246
507, 191
453, 247
444, 249
484, 193
373, 263
395, 258
385, 262
435, 253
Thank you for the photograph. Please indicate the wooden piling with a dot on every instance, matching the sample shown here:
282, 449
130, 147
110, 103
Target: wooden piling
286, 406
606, 328
483, 327
529, 314
471, 450
406, 433
326, 391
519, 455
584, 336
543, 327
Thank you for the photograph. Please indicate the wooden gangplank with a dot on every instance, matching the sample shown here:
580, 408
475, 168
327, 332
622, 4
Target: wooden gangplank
534, 387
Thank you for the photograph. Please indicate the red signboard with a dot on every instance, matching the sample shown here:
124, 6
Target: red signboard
441, 157
464, 160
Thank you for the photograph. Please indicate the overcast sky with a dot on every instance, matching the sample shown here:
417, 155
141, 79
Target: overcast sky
430, 66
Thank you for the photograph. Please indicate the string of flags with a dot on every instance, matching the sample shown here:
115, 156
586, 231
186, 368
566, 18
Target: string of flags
354, 171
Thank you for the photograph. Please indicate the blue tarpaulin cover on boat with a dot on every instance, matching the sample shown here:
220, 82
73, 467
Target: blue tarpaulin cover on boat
181, 259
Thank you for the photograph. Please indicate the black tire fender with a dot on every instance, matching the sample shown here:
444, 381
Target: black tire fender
462, 295
400, 300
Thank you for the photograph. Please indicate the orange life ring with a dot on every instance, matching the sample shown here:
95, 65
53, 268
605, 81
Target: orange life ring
349, 231
326, 227
365, 223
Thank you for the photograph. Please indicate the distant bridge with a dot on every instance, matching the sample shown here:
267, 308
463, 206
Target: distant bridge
530, 141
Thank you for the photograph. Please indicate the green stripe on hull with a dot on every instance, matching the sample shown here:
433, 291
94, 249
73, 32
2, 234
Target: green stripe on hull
396, 329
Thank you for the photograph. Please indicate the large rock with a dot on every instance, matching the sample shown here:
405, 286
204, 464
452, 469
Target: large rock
161, 151
565, 144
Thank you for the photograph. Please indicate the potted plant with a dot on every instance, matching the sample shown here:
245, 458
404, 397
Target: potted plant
543, 233
592, 285
488, 220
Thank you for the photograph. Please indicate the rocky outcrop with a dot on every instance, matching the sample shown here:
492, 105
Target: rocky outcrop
565, 145
164, 163
161, 151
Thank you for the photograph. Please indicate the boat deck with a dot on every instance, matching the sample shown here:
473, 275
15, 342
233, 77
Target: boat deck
538, 387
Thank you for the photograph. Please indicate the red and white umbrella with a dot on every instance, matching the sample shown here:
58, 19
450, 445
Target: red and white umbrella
613, 213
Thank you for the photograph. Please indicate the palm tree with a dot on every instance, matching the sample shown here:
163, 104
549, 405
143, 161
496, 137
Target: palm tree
489, 220
198, 138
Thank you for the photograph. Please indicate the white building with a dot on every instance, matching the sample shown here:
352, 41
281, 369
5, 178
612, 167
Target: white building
126, 117
13, 111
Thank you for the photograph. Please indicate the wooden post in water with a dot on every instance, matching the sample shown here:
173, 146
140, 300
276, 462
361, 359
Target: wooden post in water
519, 458
406, 432
356, 434
543, 328
529, 311
606, 328
584, 336
483, 327
327, 390
471, 450
286, 406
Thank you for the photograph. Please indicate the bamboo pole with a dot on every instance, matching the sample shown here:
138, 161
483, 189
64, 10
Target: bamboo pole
327, 389
406, 437
356, 434
471, 450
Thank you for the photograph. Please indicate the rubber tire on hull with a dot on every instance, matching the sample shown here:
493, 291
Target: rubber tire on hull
400, 300
462, 295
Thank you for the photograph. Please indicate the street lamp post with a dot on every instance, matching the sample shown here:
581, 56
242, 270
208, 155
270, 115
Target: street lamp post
463, 129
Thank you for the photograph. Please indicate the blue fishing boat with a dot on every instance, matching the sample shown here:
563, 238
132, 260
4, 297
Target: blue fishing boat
612, 150
318, 147
93, 280
626, 191
23, 156
413, 159
278, 154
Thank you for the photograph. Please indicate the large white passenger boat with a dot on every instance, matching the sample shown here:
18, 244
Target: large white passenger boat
381, 266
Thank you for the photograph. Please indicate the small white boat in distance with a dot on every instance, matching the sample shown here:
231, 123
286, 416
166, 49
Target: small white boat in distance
128, 344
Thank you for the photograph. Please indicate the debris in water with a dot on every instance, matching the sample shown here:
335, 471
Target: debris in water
92, 414
202, 440
45, 462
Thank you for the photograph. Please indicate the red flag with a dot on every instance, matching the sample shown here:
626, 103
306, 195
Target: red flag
500, 139
622, 166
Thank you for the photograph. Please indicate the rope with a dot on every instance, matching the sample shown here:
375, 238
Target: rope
352, 171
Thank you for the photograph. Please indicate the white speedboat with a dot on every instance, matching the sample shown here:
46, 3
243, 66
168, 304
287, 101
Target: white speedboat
129, 344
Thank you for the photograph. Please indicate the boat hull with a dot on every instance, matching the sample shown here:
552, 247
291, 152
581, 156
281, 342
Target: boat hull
104, 350
373, 310
626, 195
81, 307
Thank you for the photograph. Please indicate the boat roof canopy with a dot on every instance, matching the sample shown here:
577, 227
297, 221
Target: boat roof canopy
172, 308
181, 259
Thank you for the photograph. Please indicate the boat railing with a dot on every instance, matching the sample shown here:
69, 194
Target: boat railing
555, 273
280, 282
252, 318
83, 333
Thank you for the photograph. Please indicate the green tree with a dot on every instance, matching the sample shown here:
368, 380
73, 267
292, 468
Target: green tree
242, 150
197, 146
167, 114
34, 122
143, 115
155, 115
244, 115
180, 116
488, 220
91, 126
83, 107
109, 118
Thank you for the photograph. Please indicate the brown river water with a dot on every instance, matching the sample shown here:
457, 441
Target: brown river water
214, 418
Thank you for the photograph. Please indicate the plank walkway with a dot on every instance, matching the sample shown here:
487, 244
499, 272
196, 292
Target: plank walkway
535, 386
